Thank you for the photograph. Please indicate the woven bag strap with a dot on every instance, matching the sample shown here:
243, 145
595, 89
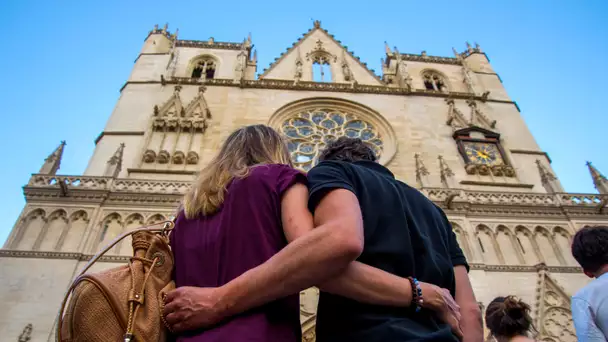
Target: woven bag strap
166, 228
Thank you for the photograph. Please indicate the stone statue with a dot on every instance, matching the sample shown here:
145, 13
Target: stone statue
348, 75
405, 76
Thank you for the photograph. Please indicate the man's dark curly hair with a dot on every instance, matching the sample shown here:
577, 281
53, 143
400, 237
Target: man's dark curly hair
590, 247
348, 149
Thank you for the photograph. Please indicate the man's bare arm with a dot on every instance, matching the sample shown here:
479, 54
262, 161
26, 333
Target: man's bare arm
370, 285
305, 262
471, 321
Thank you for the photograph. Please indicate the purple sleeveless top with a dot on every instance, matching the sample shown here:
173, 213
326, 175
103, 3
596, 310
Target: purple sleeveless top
212, 250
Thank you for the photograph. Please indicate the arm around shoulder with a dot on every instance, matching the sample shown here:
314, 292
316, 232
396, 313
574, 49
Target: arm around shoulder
308, 260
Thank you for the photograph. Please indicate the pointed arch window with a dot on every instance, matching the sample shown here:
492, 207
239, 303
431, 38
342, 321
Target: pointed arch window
204, 68
434, 81
321, 69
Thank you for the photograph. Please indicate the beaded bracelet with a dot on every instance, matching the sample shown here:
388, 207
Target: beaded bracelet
417, 298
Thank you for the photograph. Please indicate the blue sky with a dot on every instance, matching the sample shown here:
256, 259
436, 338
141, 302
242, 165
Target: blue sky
64, 63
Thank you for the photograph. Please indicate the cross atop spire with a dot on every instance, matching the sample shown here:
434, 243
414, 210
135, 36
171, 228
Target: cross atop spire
600, 182
53, 161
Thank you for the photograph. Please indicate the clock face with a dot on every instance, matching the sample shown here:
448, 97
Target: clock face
483, 153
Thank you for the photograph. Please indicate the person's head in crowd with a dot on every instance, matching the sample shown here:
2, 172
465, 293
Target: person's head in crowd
590, 249
246, 147
348, 150
508, 317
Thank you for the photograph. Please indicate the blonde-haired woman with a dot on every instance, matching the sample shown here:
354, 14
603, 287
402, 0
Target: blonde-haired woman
230, 222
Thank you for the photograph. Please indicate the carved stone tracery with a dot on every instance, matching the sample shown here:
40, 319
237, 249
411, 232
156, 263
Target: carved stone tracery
310, 130
176, 128
552, 310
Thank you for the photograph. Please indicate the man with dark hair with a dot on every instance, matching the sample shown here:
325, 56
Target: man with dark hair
408, 245
590, 304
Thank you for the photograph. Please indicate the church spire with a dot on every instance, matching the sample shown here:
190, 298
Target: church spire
547, 179
387, 48
53, 161
114, 164
600, 182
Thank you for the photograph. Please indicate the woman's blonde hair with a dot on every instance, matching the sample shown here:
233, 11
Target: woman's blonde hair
244, 148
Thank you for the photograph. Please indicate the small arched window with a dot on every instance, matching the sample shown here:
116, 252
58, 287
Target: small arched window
434, 81
321, 69
204, 68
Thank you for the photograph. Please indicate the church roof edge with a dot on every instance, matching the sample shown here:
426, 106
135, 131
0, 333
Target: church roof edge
317, 26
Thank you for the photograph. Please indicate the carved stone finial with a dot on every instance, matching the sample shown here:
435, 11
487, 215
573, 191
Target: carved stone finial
477, 47
177, 89
202, 89
155, 27
547, 179
317, 24
478, 118
114, 164
599, 181
387, 49
211, 40
249, 38
26, 335
456, 54
421, 171
423, 53
446, 173
165, 28
255, 56
53, 161
176, 33
298, 73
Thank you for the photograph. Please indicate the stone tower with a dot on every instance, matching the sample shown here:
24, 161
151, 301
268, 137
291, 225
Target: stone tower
443, 124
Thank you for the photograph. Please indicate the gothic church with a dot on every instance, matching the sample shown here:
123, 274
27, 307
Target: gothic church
443, 124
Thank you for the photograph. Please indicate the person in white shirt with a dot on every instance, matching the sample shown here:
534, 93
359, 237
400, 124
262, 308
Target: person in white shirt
590, 304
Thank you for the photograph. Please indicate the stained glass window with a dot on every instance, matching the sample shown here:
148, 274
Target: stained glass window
309, 131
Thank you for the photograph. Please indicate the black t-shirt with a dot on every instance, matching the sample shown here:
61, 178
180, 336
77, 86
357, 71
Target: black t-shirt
405, 234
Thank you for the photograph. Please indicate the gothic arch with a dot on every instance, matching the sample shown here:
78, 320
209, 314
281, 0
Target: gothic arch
527, 245
156, 218
463, 241
30, 228
563, 240
547, 247
51, 232
435, 80
507, 243
73, 233
110, 228
132, 221
309, 122
203, 61
490, 250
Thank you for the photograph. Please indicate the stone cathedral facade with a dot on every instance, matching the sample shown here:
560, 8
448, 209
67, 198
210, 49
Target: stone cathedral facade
443, 124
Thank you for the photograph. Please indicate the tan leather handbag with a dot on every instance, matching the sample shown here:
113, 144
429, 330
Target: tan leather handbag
123, 303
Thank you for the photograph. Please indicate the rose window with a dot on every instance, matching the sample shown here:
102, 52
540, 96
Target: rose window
309, 131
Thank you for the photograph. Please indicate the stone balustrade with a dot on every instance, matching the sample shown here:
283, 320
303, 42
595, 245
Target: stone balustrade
441, 195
